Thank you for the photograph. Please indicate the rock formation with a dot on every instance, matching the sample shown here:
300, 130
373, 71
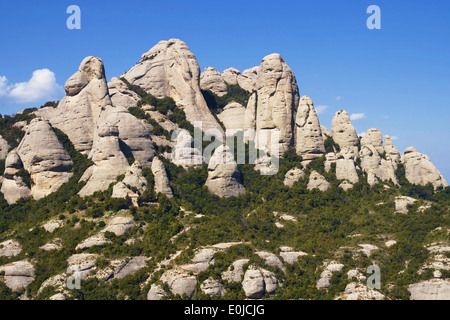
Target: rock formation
342, 130
223, 174
18, 274
44, 157
233, 117
257, 281
308, 136
76, 113
317, 181
4, 147
211, 79
278, 98
292, 176
121, 95
161, 180
170, 69
13, 186
109, 161
184, 153
419, 169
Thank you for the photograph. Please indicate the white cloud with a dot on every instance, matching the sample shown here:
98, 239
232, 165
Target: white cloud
362, 134
41, 86
321, 109
357, 116
3, 87
394, 138
338, 98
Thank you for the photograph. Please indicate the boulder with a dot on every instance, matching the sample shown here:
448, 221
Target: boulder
419, 169
119, 225
235, 272
18, 274
435, 289
290, 256
402, 203
308, 137
231, 75
161, 180
223, 174
292, 176
10, 248
97, 240
180, 282
343, 132
81, 265
44, 157
156, 292
211, 79
170, 69
129, 266
317, 181
392, 152
278, 98
212, 287
13, 186
201, 261
325, 276
257, 281
271, 259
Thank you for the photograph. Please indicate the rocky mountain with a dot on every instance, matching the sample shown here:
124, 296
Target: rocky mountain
114, 186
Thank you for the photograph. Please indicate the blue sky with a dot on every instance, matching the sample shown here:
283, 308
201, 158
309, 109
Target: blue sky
396, 78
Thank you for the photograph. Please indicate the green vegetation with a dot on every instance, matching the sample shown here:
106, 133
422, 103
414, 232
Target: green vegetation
13, 134
234, 93
330, 145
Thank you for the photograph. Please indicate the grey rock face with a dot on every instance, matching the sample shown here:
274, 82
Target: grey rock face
376, 167
257, 281
170, 69
76, 113
156, 292
231, 75
13, 187
419, 169
180, 282
109, 161
345, 170
343, 132
184, 153
212, 287
44, 157
402, 203
18, 274
308, 138
317, 181
233, 117
121, 95
373, 137
235, 271
161, 180
223, 174
82, 264
4, 147
292, 176
392, 153
10, 248
436, 289
278, 98
210, 79
119, 225
130, 266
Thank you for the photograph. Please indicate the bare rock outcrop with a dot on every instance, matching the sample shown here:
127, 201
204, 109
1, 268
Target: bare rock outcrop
13, 186
257, 281
343, 132
170, 69
373, 137
278, 98
76, 113
44, 157
18, 274
161, 180
184, 153
317, 181
4, 147
308, 138
233, 117
109, 161
212, 80
292, 176
419, 169
121, 95
10, 248
223, 174
435, 289
180, 282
